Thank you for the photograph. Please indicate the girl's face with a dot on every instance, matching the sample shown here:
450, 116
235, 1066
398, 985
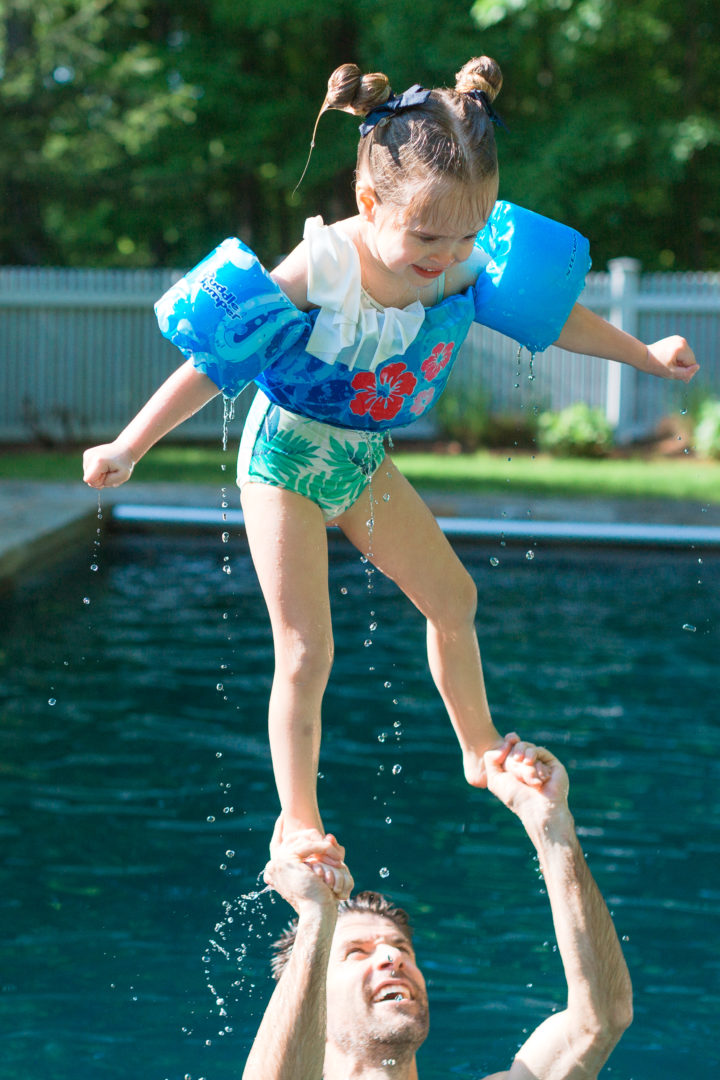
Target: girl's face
421, 246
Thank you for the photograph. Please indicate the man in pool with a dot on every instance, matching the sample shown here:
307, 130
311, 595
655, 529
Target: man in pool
351, 1002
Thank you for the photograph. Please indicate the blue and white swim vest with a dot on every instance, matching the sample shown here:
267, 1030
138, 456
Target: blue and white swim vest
349, 362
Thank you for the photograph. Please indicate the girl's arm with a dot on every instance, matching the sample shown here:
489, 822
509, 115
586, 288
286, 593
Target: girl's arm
586, 332
179, 397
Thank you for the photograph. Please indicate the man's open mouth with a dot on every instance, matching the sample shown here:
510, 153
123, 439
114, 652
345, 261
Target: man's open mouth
392, 992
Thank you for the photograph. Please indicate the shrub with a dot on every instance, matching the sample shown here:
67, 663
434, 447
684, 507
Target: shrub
707, 429
576, 431
463, 414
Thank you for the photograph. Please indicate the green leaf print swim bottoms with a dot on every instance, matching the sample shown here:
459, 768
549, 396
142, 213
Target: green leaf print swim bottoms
329, 465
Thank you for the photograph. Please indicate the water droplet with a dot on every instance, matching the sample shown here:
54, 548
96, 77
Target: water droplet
225, 537
218, 753
93, 567
52, 701
625, 937
367, 642
228, 809
372, 626
210, 818
227, 570
343, 590
390, 1061
388, 820
219, 686
494, 561
230, 855
529, 555
397, 769
386, 497
382, 736
690, 627
384, 872
86, 599
387, 685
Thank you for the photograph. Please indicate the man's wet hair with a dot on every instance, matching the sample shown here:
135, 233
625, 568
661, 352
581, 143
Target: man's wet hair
367, 902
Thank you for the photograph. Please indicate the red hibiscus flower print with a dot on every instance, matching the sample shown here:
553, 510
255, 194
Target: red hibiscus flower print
437, 360
382, 395
422, 400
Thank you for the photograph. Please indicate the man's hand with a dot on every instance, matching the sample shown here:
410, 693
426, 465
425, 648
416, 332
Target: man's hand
530, 781
307, 867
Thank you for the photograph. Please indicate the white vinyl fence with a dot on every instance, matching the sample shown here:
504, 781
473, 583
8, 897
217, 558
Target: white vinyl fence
80, 352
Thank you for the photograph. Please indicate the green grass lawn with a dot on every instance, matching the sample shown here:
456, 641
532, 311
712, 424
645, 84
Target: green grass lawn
481, 472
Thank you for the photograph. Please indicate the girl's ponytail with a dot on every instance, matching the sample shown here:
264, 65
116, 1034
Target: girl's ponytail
353, 92
480, 73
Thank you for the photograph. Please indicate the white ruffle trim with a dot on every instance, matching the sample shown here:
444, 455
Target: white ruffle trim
347, 323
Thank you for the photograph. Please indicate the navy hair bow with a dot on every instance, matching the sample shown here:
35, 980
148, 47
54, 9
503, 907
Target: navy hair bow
415, 95
481, 96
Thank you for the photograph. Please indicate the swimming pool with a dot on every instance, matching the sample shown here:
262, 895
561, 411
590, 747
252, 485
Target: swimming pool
135, 765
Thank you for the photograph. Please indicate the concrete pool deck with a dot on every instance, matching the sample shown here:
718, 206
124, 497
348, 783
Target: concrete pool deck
40, 520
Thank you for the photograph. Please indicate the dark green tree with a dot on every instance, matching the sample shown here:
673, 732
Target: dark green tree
615, 121
142, 133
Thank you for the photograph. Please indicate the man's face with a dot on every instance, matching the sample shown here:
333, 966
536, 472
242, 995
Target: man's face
377, 1000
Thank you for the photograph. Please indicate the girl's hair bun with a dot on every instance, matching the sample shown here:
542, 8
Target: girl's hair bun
353, 92
480, 73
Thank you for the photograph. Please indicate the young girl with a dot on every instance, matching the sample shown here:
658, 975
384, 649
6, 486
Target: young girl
353, 333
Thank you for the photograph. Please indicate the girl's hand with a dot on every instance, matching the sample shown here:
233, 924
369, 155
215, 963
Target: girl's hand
108, 465
675, 356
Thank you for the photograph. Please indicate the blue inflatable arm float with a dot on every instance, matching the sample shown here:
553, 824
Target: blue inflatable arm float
535, 272
230, 317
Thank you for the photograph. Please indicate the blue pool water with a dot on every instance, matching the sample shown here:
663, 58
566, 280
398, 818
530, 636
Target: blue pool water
133, 702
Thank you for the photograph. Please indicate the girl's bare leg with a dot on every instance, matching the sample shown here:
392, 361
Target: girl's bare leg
287, 537
411, 549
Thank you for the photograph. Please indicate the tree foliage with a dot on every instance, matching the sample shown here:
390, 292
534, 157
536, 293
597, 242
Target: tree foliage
141, 132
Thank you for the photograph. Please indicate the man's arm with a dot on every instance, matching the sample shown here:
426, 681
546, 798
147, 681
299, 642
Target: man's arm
577, 1042
290, 1043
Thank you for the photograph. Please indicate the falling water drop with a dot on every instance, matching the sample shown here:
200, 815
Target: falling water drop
494, 561
397, 769
384, 872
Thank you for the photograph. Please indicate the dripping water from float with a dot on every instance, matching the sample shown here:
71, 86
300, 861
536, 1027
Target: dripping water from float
370, 570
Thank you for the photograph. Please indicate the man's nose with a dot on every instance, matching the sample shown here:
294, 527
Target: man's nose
390, 957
